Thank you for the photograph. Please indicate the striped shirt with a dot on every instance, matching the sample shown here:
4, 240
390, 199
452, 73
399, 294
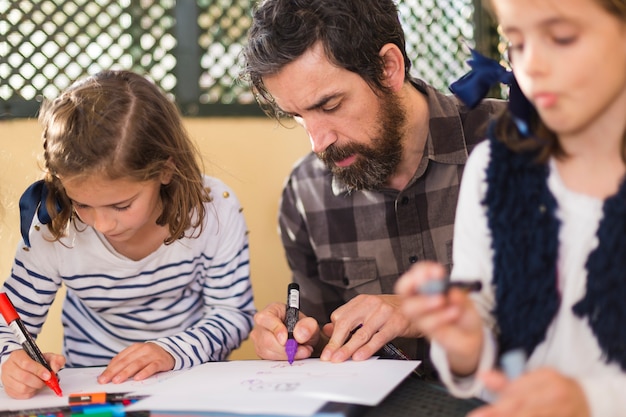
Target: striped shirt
340, 244
192, 297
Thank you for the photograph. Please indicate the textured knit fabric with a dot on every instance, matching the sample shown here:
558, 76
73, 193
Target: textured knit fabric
521, 213
525, 241
193, 297
569, 345
340, 244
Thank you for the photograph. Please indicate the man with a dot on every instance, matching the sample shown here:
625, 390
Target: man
379, 191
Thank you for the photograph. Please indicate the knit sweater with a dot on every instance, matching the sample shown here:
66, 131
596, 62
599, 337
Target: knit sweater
561, 336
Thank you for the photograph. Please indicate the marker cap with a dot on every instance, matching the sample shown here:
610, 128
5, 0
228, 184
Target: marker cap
7, 309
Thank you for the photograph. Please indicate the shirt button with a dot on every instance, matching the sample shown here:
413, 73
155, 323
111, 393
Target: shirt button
413, 259
405, 200
345, 281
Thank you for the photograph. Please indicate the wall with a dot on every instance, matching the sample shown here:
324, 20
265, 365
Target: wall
252, 155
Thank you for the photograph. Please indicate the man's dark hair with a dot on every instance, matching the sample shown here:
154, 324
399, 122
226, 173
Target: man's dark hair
352, 33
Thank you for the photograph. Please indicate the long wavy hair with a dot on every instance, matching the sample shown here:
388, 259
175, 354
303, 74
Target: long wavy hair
119, 125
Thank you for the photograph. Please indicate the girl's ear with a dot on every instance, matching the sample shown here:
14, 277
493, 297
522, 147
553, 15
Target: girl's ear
167, 172
394, 66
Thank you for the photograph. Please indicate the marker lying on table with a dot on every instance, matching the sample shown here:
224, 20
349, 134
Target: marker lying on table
440, 286
41, 411
106, 413
105, 410
291, 318
99, 410
26, 340
103, 398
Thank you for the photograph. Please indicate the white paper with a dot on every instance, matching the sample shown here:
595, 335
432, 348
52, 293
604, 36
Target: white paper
76, 381
254, 387
275, 387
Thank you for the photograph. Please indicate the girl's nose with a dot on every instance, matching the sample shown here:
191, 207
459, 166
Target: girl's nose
102, 222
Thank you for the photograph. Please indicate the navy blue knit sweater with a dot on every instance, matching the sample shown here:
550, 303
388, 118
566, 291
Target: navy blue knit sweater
521, 216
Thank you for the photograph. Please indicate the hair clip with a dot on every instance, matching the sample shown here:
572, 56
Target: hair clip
33, 201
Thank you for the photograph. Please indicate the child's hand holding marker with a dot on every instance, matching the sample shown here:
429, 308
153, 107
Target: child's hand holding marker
552, 393
444, 313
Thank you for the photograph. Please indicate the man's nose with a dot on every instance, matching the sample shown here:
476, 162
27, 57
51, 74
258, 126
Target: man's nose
321, 135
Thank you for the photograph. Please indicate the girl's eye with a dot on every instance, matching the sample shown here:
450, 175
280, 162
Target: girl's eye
511, 50
83, 207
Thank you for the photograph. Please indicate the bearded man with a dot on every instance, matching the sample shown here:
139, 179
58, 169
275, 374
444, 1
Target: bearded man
379, 191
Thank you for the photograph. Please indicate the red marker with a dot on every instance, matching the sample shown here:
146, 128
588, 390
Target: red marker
15, 323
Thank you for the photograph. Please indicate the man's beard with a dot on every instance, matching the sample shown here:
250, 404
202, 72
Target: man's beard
375, 163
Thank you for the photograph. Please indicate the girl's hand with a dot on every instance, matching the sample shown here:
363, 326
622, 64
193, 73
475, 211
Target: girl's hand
138, 361
450, 319
543, 392
23, 377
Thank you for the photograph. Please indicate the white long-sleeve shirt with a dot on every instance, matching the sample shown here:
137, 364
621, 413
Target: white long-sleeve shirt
570, 346
192, 297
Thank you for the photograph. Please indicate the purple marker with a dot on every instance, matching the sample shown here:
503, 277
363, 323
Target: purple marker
291, 318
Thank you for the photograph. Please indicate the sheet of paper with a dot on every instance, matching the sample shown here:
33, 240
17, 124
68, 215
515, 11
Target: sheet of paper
78, 380
275, 387
254, 387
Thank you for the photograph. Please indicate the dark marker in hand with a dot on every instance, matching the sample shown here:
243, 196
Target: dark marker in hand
291, 318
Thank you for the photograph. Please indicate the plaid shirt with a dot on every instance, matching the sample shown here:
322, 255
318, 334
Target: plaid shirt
341, 244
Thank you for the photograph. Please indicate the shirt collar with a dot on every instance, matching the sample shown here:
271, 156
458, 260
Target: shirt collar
446, 139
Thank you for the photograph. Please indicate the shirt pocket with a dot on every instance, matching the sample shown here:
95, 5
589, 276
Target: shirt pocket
348, 273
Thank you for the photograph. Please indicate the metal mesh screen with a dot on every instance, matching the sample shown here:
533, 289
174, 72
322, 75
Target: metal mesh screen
190, 48
438, 34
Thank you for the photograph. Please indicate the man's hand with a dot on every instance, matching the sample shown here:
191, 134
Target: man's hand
23, 377
369, 322
138, 361
269, 334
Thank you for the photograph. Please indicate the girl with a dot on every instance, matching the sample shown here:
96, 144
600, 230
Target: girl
153, 254
541, 220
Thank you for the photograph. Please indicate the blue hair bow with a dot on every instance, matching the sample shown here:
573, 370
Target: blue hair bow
472, 87
33, 201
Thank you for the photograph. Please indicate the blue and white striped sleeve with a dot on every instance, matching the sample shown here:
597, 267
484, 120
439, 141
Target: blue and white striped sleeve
227, 292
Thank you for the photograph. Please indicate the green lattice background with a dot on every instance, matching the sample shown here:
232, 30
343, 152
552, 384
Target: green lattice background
47, 44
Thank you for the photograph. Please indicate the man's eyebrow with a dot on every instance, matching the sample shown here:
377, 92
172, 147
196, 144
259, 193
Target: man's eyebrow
322, 102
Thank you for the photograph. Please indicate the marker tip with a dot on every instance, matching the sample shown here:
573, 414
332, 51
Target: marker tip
290, 348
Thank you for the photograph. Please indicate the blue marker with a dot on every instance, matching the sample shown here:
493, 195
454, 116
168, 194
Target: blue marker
116, 410
291, 318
